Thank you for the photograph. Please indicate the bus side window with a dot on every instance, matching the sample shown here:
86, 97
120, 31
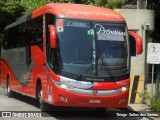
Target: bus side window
132, 46
36, 32
9, 40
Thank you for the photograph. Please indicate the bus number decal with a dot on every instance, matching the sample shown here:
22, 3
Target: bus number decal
77, 24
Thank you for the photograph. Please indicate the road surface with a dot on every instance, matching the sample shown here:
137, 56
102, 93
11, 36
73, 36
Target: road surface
25, 107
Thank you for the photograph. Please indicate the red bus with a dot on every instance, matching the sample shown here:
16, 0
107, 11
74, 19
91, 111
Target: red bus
69, 55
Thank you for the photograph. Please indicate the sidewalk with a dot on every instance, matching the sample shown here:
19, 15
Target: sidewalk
140, 108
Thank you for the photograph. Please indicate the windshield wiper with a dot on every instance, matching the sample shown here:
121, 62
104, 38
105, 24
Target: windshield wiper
83, 70
105, 64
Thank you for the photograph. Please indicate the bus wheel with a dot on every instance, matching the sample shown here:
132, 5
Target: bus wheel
9, 92
43, 105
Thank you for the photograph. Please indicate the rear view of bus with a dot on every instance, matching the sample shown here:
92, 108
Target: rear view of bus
83, 60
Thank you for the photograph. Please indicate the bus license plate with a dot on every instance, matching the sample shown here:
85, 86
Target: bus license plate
94, 101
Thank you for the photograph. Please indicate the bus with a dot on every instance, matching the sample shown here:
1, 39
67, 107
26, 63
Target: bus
69, 55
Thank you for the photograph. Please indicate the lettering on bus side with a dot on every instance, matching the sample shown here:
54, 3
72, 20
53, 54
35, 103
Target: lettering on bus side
72, 12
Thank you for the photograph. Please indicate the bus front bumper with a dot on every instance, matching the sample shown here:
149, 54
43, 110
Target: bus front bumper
90, 98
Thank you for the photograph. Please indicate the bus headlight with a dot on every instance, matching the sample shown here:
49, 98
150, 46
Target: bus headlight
62, 85
122, 89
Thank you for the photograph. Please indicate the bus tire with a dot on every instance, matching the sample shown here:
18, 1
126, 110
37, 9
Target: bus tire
8, 87
42, 104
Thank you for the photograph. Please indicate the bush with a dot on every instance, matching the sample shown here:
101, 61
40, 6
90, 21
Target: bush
154, 102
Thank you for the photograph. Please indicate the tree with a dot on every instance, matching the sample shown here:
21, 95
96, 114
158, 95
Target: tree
155, 5
10, 11
32, 5
116, 3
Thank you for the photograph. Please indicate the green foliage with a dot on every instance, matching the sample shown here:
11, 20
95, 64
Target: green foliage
154, 101
105, 3
132, 2
145, 95
116, 3
13, 8
32, 5
10, 11
101, 3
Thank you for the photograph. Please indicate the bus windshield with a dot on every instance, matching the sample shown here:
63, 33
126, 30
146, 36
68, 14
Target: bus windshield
92, 48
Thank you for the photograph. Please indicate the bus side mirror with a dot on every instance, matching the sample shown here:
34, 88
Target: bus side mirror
52, 36
137, 43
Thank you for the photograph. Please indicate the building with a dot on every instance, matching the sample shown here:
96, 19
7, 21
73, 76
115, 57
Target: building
142, 22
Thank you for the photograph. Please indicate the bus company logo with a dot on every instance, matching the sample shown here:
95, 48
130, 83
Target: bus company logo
95, 92
95, 79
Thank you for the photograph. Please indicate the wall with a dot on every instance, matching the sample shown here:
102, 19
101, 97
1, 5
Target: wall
141, 21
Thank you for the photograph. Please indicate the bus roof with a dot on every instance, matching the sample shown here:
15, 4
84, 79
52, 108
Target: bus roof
79, 11
75, 11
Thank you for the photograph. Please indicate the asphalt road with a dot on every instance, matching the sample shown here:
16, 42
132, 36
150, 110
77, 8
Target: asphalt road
26, 105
